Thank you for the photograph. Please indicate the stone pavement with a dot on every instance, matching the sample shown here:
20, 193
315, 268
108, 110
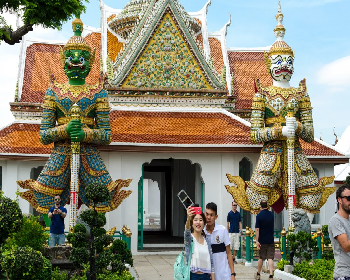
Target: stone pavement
154, 266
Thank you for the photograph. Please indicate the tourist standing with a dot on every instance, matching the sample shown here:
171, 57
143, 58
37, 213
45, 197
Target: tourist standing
57, 215
202, 266
339, 233
234, 227
220, 245
264, 238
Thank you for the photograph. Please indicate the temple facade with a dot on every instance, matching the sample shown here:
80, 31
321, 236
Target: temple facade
180, 103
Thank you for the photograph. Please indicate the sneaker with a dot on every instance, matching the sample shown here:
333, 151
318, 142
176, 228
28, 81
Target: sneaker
271, 277
235, 261
257, 276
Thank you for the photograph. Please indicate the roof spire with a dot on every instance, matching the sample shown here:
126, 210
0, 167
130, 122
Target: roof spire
77, 25
279, 29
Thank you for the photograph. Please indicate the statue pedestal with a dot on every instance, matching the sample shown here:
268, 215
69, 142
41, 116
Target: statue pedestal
59, 257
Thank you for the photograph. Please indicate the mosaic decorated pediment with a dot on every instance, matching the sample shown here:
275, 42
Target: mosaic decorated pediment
167, 62
161, 52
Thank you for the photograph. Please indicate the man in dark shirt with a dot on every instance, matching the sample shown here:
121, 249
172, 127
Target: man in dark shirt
234, 227
57, 215
264, 238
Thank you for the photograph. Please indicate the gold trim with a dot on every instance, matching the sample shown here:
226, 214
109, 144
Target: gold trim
273, 120
325, 194
84, 120
238, 192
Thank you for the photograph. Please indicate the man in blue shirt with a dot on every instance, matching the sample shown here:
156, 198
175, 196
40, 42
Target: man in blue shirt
57, 215
264, 238
234, 227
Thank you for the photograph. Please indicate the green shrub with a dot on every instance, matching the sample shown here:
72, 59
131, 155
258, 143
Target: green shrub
58, 275
10, 217
93, 248
281, 263
24, 237
25, 263
321, 269
303, 245
108, 276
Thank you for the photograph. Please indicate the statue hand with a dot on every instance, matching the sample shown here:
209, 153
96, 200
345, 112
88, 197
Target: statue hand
75, 131
73, 126
289, 129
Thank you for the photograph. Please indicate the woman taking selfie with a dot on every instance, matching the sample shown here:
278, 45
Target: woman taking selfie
200, 257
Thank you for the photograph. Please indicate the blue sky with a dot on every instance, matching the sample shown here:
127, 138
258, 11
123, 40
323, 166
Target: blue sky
317, 30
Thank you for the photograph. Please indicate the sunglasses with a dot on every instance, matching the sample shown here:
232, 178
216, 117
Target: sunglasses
234, 204
346, 196
57, 199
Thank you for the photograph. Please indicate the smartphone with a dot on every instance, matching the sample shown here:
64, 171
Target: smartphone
197, 210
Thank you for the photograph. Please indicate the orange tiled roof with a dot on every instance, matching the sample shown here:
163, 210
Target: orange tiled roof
113, 46
110, 18
198, 21
245, 67
200, 39
317, 149
22, 139
161, 128
42, 59
216, 54
177, 128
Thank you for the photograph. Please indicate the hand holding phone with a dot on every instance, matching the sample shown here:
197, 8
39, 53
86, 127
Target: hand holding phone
196, 210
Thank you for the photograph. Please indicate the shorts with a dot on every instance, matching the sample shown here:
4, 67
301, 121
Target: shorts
267, 251
234, 238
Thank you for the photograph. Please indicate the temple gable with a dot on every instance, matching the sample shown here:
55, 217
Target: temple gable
167, 61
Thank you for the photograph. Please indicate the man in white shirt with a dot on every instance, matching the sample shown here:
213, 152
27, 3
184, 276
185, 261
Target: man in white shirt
220, 245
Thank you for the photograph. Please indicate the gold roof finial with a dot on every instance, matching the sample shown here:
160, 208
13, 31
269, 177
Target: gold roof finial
279, 29
280, 46
77, 42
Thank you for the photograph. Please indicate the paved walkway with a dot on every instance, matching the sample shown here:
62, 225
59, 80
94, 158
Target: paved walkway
152, 267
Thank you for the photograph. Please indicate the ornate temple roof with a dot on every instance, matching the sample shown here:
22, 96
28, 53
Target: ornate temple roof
190, 123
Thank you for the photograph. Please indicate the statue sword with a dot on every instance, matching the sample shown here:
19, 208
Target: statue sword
291, 168
75, 114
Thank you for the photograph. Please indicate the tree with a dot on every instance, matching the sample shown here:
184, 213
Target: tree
48, 13
94, 249
347, 180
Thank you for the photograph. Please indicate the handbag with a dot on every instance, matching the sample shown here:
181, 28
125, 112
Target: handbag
181, 270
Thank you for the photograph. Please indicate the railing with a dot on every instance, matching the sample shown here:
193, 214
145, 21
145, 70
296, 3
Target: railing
282, 244
124, 234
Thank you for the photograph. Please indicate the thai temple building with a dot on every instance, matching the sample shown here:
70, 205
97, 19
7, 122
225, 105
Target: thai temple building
180, 102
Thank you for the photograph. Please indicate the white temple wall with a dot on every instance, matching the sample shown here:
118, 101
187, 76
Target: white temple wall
212, 166
213, 171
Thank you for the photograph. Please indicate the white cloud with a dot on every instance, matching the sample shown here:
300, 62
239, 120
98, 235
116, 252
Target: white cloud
335, 74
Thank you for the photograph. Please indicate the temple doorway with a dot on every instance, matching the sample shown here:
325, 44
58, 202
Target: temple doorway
162, 216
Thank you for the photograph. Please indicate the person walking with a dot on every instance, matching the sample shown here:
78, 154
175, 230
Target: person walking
57, 215
264, 238
202, 266
234, 227
339, 233
220, 245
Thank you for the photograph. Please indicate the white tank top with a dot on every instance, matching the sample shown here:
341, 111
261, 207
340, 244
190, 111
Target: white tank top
200, 261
